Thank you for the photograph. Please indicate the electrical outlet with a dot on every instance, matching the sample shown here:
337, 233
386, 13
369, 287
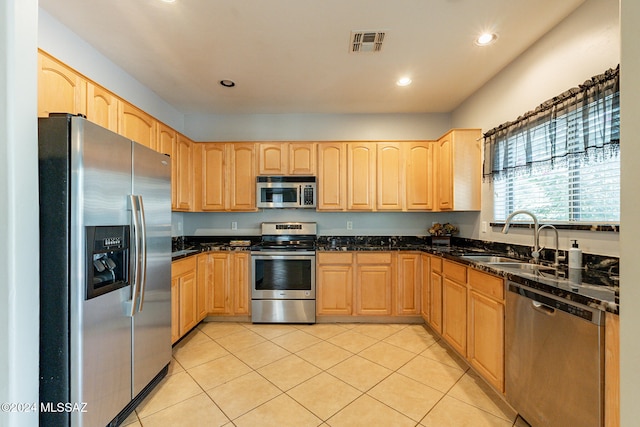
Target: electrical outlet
349, 225
483, 227
234, 225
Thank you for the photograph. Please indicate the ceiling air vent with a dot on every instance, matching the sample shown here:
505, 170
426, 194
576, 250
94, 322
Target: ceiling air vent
366, 41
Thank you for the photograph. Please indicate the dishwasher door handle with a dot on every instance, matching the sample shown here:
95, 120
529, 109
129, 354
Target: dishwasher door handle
544, 309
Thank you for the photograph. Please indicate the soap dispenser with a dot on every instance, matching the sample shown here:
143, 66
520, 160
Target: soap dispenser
575, 255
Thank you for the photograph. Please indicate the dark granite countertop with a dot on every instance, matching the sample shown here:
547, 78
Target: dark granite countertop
597, 285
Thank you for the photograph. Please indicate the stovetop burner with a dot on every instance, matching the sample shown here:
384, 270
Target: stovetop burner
287, 236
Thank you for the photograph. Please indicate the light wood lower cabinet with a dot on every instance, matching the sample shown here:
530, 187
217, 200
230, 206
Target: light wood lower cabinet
240, 280
485, 338
373, 283
435, 303
183, 297
612, 370
454, 305
226, 282
426, 287
409, 283
334, 283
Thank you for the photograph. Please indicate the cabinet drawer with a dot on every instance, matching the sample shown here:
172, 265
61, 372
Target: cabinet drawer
183, 266
487, 284
455, 271
374, 258
334, 258
436, 264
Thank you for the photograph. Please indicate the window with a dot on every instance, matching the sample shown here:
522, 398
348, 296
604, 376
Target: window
562, 160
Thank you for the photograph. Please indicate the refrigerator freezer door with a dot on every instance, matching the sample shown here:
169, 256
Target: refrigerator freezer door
152, 322
100, 328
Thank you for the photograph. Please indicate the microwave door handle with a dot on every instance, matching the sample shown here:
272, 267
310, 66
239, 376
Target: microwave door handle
300, 201
143, 251
136, 263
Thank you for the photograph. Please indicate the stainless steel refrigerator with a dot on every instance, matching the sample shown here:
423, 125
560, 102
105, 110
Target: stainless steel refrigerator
105, 272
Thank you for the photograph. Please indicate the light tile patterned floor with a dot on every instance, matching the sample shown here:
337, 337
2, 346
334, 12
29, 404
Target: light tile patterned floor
338, 375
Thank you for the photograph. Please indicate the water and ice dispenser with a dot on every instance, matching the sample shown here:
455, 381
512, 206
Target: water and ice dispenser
107, 259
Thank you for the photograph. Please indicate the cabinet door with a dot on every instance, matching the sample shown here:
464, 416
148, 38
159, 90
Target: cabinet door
435, 306
334, 287
184, 174
202, 280
361, 171
137, 125
612, 370
60, 89
175, 310
426, 288
273, 158
445, 173
213, 176
390, 176
486, 338
167, 145
240, 283
454, 315
242, 158
302, 158
102, 107
409, 283
218, 301
188, 302
374, 281
419, 175
332, 176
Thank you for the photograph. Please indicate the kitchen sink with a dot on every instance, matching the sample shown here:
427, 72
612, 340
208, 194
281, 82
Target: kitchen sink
490, 259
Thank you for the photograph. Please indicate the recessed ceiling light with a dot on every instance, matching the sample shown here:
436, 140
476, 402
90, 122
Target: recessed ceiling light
168, 1
486, 39
227, 83
404, 81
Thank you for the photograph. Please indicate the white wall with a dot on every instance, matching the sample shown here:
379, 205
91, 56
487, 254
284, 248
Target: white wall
65, 45
19, 281
316, 127
585, 44
630, 234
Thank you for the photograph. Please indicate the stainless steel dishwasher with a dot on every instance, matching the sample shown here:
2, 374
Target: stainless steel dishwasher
554, 366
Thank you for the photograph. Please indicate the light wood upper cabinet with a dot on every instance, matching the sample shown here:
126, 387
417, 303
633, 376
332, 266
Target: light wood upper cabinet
273, 158
361, 176
211, 176
419, 175
458, 166
184, 174
286, 158
334, 283
167, 139
373, 283
60, 89
302, 158
242, 181
102, 107
332, 176
137, 125
408, 283
390, 176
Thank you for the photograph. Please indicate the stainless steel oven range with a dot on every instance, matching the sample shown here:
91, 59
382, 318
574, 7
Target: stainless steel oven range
283, 274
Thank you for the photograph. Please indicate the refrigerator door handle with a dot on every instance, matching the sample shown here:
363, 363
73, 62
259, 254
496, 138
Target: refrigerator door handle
136, 264
143, 247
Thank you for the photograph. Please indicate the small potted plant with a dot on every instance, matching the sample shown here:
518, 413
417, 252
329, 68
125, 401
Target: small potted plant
441, 233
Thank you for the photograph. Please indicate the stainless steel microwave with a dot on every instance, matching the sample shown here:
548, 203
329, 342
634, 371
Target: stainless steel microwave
286, 192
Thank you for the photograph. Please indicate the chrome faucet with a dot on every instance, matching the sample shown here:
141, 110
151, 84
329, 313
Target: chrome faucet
536, 250
556, 259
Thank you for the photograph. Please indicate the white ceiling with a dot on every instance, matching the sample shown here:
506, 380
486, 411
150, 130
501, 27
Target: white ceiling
292, 56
